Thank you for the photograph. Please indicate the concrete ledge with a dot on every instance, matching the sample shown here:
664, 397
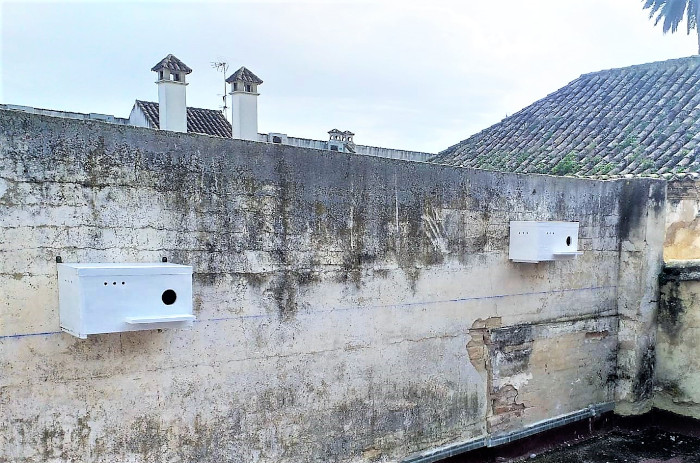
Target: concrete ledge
454, 449
680, 270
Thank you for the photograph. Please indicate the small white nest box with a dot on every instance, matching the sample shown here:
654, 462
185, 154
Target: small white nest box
110, 298
543, 241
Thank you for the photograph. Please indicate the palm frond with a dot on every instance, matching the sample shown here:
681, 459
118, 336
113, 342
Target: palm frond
670, 13
692, 15
673, 12
653, 6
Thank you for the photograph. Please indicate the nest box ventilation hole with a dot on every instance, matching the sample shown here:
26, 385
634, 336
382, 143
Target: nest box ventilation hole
169, 296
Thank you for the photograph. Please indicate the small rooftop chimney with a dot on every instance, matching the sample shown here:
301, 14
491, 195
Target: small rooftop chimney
172, 104
341, 141
244, 104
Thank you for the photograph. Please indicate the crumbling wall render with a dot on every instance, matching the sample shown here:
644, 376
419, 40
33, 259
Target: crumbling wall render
682, 220
523, 363
349, 308
642, 218
677, 379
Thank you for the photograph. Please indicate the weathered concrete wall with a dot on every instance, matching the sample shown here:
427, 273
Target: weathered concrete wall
677, 382
641, 233
350, 308
678, 340
682, 221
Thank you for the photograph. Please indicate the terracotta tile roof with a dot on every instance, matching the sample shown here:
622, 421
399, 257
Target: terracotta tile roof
636, 121
172, 63
206, 121
243, 74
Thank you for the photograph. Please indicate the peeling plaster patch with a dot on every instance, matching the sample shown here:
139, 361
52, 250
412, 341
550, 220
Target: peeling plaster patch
505, 400
503, 355
597, 335
476, 347
492, 322
519, 380
511, 348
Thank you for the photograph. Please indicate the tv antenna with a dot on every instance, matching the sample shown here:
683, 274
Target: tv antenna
223, 67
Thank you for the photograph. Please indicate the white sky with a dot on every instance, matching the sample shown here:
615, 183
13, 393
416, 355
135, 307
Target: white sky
419, 75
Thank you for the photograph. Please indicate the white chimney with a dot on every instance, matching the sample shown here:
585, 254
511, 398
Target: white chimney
244, 104
172, 104
341, 141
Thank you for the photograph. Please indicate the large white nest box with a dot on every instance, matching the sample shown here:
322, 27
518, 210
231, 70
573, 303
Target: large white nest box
543, 241
109, 298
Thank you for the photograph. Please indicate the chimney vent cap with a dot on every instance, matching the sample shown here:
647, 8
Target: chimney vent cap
340, 132
244, 75
171, 63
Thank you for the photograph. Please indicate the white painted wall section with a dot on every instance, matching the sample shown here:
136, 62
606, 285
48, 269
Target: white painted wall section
244, 114
138, 118
172, 106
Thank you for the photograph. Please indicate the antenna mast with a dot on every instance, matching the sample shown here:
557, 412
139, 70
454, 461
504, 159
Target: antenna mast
223, 67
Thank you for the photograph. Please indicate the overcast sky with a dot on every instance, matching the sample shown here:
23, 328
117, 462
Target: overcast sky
418, 75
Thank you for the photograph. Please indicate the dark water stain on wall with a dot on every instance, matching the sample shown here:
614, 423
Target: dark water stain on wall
672, 307
643, 385
632, 203
636, 198
415, 414
147, 437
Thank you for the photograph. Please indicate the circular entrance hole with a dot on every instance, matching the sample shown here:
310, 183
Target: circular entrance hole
568, 241
169, 297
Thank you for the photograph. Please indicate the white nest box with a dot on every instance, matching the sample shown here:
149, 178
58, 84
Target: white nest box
543, 241
110, 298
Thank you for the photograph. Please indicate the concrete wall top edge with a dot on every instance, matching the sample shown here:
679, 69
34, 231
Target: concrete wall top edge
166, 142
